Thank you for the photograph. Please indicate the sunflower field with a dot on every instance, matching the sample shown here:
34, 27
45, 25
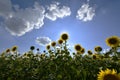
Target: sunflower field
57, 63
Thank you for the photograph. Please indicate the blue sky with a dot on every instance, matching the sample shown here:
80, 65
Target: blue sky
28, 23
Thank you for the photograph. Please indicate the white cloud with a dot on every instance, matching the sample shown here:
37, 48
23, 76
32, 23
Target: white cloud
5, 8
19, 21
34, 16
16, 26
24, 20
55, 11
43, 40
86, 13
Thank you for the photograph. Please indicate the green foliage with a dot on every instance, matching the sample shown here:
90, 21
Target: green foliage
56, 64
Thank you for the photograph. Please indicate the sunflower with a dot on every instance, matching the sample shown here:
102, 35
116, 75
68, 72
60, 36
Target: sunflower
78, 52
113, 41
48, 47
89, 52
60, 41
38, 49
14, 48
108, 75
42, 55
53, 44
32, 47
98, 49
82, 51
98, 56
78, 47
94, 57
7, 50
64, 36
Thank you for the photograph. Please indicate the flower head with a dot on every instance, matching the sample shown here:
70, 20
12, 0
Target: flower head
64, 36
98, 49
53, 44
60, 41
94, 57
14, 48
32, 47
113, 41
7, 50
108, 75
48, 47
78, 52
89, 52
82, 51
78, 47
38, 49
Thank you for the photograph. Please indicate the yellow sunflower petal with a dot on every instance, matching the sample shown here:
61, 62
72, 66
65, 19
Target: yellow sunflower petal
108, 75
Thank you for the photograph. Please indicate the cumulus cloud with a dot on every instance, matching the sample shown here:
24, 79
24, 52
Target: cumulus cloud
55, 11
86, 13
5, 8
24, 20
16, 26
19, 21
43, 40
